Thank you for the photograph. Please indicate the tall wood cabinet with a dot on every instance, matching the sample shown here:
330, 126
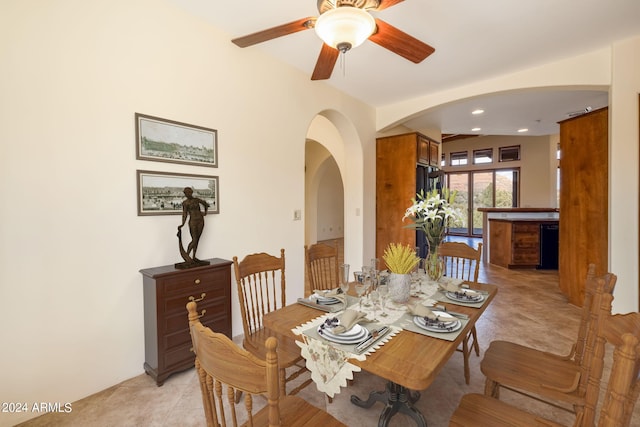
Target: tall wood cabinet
584, 200
166, 292
405, 164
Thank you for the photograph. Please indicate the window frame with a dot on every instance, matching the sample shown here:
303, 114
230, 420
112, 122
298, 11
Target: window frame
480, 151
501, 151
453, 155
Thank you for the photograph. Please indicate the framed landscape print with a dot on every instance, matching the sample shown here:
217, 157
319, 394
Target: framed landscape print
161, 193
165, 140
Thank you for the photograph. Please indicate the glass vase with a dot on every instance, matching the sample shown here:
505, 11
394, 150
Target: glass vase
433, 263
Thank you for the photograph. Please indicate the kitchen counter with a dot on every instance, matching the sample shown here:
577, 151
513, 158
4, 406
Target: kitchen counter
511, 213
523, 242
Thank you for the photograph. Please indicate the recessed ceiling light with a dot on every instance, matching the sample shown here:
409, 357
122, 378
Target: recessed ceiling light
478, 111
476, 129
523, 130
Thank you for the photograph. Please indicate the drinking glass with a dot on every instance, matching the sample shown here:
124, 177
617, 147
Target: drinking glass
344, 278
383, 292
367, 281
374, 296
359, 286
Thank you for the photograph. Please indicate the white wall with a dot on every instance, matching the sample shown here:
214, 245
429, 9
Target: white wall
330, 202
74, 73
623, 172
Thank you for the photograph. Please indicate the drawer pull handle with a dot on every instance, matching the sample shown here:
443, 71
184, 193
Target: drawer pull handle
202, 295
197, 281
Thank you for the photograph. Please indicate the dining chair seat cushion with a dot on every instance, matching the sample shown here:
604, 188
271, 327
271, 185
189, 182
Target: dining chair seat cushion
481, 411
297, 412
514, 365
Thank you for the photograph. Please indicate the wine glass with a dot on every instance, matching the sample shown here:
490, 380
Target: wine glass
359, 286
359, 276
344, 278
367, 281
383, 292
374, 296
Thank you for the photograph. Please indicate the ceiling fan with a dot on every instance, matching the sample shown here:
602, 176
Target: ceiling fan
342, 25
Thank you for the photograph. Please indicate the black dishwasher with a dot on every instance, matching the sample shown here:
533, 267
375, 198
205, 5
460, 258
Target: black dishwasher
549, 245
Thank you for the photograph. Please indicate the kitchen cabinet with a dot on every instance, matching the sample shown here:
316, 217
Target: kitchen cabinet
515, 243
584, 195
404, 166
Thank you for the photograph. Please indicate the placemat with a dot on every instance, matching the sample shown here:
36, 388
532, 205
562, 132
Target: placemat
329, 308
406, 322
441, 297
312, 332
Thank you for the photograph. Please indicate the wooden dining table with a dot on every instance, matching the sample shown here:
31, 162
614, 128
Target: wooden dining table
409, 361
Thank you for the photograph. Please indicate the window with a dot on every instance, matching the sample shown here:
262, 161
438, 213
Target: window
482, 156
459, 158
442, 160
509, 154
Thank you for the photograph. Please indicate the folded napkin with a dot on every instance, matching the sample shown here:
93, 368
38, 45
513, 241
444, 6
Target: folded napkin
422, 311
324, 293
348, 320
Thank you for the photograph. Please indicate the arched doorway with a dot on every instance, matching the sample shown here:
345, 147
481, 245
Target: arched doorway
334, 184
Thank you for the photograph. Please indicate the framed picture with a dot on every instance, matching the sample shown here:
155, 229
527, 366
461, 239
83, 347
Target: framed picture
161, 193
165, 140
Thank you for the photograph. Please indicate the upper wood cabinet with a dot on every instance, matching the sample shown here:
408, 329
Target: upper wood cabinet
402, 169
584, 200
428, 150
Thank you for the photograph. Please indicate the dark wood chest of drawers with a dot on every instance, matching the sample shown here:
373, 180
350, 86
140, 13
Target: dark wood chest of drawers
167, 291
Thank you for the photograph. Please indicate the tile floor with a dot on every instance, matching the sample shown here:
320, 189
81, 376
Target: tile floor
520, 312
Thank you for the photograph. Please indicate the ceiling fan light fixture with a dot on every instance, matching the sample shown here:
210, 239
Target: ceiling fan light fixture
345, 27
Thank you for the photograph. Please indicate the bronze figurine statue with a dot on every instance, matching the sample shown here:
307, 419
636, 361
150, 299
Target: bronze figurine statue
191, 208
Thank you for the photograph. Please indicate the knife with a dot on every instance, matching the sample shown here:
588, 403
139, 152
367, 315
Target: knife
327, 308
376, 334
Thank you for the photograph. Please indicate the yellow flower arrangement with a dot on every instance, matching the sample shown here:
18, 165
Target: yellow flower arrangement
400, 259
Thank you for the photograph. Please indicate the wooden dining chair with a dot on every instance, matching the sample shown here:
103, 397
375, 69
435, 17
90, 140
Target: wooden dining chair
461, 261
558, 380
620, 331
322, 266
261, 284
224, 370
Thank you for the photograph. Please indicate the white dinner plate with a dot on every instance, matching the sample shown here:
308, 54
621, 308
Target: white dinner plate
442, 327
471, 299
327, 301
352, 336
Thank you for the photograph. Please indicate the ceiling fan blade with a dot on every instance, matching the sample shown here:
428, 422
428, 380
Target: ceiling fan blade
326, 62
275, 32
385, 4
400, 42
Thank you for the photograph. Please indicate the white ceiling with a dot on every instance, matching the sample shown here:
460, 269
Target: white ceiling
474, 40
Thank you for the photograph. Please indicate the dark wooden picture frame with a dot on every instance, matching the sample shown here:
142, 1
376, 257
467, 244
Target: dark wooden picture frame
162, 193
164, 140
